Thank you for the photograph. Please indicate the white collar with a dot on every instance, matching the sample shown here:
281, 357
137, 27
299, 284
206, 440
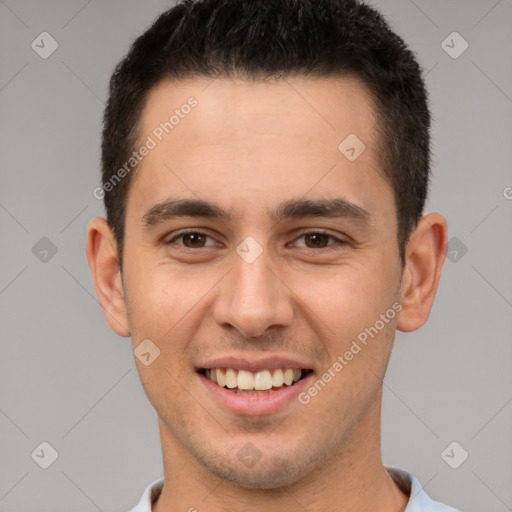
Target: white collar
418, 500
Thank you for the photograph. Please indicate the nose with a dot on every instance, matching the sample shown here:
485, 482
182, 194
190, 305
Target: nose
253, 298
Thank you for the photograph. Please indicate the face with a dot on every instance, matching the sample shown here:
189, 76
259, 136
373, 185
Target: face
255, 246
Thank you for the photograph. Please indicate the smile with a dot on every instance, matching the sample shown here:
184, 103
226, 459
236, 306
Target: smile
254, 383
264, 385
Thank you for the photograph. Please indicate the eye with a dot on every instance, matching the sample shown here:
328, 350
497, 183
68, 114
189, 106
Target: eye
192, 240
319, 240
309, 240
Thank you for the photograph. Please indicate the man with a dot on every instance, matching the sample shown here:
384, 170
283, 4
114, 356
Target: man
265, 169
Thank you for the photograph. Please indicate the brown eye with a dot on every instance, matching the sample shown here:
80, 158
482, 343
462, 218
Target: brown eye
316, 240
193, 240
319, 241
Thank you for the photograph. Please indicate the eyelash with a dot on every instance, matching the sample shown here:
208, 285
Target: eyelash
334, 246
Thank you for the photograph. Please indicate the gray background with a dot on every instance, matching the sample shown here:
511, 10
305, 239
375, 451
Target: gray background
68, 380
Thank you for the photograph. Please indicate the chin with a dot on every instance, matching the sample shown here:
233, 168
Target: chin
271, 471
262, 478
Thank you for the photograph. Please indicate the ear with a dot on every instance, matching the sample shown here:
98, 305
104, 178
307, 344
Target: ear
101, 253
425, 255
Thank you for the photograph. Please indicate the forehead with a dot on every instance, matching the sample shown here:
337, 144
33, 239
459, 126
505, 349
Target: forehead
326, 107
275, 138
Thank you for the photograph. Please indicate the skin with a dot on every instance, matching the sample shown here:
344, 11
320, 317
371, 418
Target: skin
248, 147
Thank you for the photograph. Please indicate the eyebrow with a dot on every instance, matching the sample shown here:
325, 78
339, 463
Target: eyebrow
292, 209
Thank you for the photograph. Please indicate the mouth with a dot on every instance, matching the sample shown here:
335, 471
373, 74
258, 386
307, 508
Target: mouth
263, 382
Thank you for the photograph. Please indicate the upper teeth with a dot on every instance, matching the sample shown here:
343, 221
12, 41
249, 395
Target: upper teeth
262, 380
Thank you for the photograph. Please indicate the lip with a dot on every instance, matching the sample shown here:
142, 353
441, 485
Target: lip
255, 405
253, 365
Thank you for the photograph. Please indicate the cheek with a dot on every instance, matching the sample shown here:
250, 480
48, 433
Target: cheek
348, 298
161, 296
351, 381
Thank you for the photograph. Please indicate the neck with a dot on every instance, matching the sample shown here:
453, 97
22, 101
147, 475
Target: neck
353, 479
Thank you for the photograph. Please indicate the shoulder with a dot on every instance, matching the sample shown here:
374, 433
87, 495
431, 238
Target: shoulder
419, 501
149, 496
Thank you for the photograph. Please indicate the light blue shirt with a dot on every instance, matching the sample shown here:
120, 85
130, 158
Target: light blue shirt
418, 498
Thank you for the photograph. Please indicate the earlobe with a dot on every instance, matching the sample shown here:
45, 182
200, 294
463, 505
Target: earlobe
425, 256
101, 251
